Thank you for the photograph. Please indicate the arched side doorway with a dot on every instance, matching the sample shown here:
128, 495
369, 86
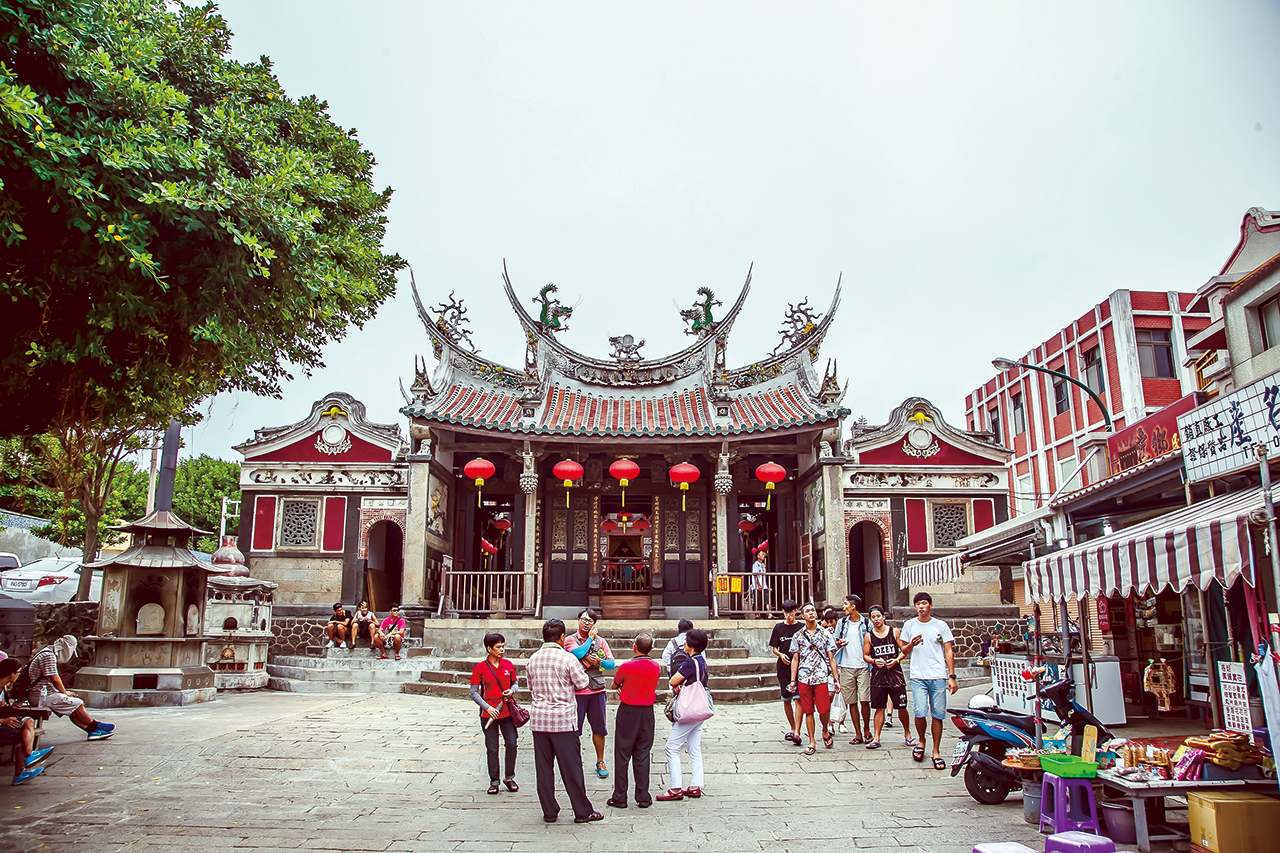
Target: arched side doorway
384, 566
866, 563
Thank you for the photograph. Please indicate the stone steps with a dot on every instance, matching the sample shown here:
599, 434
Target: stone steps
358, 670
296, 686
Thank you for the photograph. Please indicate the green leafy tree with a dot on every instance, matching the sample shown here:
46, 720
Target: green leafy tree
172, 225
199, 486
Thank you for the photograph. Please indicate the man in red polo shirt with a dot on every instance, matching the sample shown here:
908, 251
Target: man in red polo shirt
637, 685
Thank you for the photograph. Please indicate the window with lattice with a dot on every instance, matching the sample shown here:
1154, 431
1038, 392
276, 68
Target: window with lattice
950, 524
299, 521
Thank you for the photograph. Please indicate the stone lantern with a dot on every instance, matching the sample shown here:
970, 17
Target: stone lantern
237, 622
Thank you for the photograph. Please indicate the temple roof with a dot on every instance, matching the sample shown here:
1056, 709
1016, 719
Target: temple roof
563, 392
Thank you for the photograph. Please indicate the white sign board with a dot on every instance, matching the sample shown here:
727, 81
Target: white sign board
1234, 690
1219, 437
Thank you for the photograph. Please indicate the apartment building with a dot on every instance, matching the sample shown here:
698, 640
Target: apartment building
1129, 349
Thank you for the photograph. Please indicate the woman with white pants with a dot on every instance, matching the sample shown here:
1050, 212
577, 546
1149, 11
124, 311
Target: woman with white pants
687, 735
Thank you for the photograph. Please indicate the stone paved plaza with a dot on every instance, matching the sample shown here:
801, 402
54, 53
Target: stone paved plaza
277, 771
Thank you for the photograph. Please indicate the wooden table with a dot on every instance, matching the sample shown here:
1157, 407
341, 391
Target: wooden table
1139, 792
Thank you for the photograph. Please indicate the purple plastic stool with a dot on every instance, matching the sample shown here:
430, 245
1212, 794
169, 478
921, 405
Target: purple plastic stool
1066, 805
1002, 847
1078, 842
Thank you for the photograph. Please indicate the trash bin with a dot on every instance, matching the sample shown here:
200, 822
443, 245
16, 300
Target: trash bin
17, 627
1117, 818
1031, 802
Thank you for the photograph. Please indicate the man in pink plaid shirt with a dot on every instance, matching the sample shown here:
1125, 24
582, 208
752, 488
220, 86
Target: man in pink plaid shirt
554, 677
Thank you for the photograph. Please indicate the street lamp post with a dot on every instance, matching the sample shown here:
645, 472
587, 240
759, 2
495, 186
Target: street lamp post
1010, 364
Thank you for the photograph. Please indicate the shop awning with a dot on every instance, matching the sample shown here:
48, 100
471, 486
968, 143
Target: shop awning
941, 570
1187, 547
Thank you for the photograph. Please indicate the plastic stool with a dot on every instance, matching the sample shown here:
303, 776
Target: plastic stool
1078, 842
1002, 847
1068, 804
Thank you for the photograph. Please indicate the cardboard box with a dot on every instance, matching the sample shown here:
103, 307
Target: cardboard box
1234, 821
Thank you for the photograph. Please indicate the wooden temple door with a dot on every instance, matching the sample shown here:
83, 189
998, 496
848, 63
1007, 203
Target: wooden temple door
684, 543
568, 554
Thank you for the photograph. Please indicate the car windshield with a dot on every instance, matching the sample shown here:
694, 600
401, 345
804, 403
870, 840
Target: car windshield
49, 565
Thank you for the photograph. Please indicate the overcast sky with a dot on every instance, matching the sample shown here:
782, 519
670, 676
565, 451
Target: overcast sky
981, 173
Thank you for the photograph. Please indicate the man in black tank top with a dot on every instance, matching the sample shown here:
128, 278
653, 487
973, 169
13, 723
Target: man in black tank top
881, 649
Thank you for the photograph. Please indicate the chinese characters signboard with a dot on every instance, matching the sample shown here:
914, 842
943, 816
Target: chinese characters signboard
1235, 698
1220, 437
1149, 438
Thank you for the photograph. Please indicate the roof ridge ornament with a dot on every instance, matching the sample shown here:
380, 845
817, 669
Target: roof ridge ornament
449, 319
625, 348
699, 316
798, 323
552, 310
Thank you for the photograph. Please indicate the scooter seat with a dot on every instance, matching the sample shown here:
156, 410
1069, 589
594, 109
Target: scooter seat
1026, 723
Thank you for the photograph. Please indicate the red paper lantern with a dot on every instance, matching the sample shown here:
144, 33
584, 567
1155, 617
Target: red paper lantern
770, 474
624, 471
642, 524
609, 525
746, 526
479, 470
684, 474
568, 471
487, 546
502, 524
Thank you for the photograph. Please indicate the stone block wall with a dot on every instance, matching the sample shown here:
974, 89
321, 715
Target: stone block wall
292, 634
302, 580
79, 618
970, 634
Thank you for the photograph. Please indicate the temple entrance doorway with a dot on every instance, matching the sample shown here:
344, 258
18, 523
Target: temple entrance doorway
866, 563
626, 555
384, 568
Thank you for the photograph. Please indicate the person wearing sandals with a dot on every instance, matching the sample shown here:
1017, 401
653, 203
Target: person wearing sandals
855, 673
493, 682
683, 734
813, 665
881, 652
554, 676
592, 702
933, 672
780, 645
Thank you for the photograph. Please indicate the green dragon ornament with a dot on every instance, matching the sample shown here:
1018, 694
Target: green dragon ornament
553, 312
699, 316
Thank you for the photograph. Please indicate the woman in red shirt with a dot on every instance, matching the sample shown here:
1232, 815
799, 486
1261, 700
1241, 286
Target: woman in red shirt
493, 682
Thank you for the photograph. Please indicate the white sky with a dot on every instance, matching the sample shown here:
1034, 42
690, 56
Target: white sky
981, 173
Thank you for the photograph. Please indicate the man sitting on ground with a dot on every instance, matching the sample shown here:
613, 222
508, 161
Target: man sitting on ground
48, 691
390, 632
336, 630
363, 624
18, 731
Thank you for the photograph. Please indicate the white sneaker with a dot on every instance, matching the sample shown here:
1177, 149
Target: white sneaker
331, 645
843, 730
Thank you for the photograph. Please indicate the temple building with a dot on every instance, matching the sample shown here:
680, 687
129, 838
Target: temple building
645, 487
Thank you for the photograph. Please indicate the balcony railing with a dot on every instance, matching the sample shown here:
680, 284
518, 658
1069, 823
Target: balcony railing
779, 586
625, 574
466, 593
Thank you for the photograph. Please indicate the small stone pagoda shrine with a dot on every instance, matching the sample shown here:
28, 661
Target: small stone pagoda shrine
237, 622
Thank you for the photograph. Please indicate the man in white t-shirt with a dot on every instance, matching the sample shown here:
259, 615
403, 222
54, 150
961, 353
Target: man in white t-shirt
933, 672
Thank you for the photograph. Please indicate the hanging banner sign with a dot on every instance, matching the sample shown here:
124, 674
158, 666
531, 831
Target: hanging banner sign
722, 584
1219, 438
1104, 614
1234, 691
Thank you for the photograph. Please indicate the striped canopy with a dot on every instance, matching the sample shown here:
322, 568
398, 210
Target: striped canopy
1191, 546
941, 570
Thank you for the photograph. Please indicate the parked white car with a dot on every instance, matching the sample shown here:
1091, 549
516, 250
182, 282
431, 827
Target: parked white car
48, 581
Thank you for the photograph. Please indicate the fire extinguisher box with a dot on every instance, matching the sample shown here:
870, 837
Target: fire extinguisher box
1233, 821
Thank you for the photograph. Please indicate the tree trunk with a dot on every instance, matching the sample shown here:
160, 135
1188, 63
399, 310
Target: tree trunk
91, 517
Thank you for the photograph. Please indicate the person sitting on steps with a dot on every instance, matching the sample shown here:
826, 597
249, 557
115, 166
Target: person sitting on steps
390, 632
363, 624
336, 630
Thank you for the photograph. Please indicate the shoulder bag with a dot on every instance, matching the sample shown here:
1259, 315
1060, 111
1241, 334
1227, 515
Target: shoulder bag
693, 702
519, 714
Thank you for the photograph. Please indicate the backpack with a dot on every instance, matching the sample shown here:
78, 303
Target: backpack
677, 658
21, 688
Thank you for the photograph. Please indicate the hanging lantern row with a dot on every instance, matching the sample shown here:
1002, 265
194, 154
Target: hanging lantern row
568, 471
609, 525
479, 469
684, 474
624, 471
770, 474
487, 546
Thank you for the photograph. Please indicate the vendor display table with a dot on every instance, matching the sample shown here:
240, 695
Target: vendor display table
1139, 792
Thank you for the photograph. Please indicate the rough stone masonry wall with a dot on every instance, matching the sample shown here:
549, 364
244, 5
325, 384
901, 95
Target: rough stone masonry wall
970, 633
79, 618
291, 635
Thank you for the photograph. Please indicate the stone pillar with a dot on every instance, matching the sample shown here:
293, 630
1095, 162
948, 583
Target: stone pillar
720, 566
529, 485
414, 581
836, 547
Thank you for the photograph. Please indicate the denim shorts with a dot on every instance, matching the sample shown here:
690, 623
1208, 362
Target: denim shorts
929, 697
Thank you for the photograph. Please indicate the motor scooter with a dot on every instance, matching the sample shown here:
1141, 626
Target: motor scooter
988, 733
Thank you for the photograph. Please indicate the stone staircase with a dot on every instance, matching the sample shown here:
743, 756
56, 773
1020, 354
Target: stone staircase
735, 676
337, 670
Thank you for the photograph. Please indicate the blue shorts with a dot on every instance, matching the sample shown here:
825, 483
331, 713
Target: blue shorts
929, 697
592, 707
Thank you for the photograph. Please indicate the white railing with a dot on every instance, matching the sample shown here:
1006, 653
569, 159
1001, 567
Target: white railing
464, 593
779, 587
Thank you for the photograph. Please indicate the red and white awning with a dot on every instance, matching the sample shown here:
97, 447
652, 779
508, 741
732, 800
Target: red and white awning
941, 570
1187, 547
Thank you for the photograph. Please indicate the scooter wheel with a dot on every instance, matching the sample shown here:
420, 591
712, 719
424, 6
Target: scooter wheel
983, 786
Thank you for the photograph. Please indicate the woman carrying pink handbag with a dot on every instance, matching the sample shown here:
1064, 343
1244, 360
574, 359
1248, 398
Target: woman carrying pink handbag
693, 708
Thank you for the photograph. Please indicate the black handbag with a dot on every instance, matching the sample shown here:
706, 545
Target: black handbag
519, 714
